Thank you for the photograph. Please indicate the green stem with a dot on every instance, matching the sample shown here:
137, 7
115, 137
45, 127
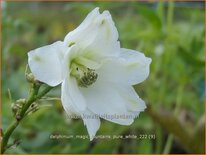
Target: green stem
170, 14
6, 136
32, 98
168, 144
160, 10
158, 146
170, 138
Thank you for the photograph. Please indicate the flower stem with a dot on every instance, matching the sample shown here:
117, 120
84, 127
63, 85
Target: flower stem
158, 145
170, 14
170, 138
33, 96
30, 100
168, 144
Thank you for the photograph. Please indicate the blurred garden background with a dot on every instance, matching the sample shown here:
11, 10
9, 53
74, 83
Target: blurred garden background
171, 33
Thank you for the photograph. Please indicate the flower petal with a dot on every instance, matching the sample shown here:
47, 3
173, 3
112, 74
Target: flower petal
92, 123
103, 99
46, 65
74, 103
83, 34
132, 100
71, 97
97, 35
136, 64
106, 41
88, 62
131, 67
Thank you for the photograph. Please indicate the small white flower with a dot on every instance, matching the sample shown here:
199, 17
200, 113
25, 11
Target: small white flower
95, 74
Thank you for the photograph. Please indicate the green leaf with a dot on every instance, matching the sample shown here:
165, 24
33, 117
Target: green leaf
150, 15
145, 146
190, 58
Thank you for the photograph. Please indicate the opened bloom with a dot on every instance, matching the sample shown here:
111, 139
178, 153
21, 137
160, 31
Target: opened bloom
95, 73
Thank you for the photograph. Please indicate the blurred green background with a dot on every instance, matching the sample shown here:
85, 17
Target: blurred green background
172, 34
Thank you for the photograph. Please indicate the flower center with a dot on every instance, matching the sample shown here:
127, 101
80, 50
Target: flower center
84, 76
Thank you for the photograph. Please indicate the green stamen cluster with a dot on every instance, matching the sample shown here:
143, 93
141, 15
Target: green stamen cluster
85, 76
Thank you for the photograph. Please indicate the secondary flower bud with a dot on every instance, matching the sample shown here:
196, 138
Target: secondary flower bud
18, 117
21, 101
14, 108
30, 78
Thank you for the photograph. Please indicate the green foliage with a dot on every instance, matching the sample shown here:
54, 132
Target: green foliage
172, 37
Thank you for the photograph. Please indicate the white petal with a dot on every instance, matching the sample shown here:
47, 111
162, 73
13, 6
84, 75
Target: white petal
103, 99
131, 67
71, 97
74, 103
46, 63
92, 123
88, 62
132, 100
137, 65
83, 34
106, 41
97, 35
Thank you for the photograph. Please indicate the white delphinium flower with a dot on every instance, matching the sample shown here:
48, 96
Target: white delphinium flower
95, 73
